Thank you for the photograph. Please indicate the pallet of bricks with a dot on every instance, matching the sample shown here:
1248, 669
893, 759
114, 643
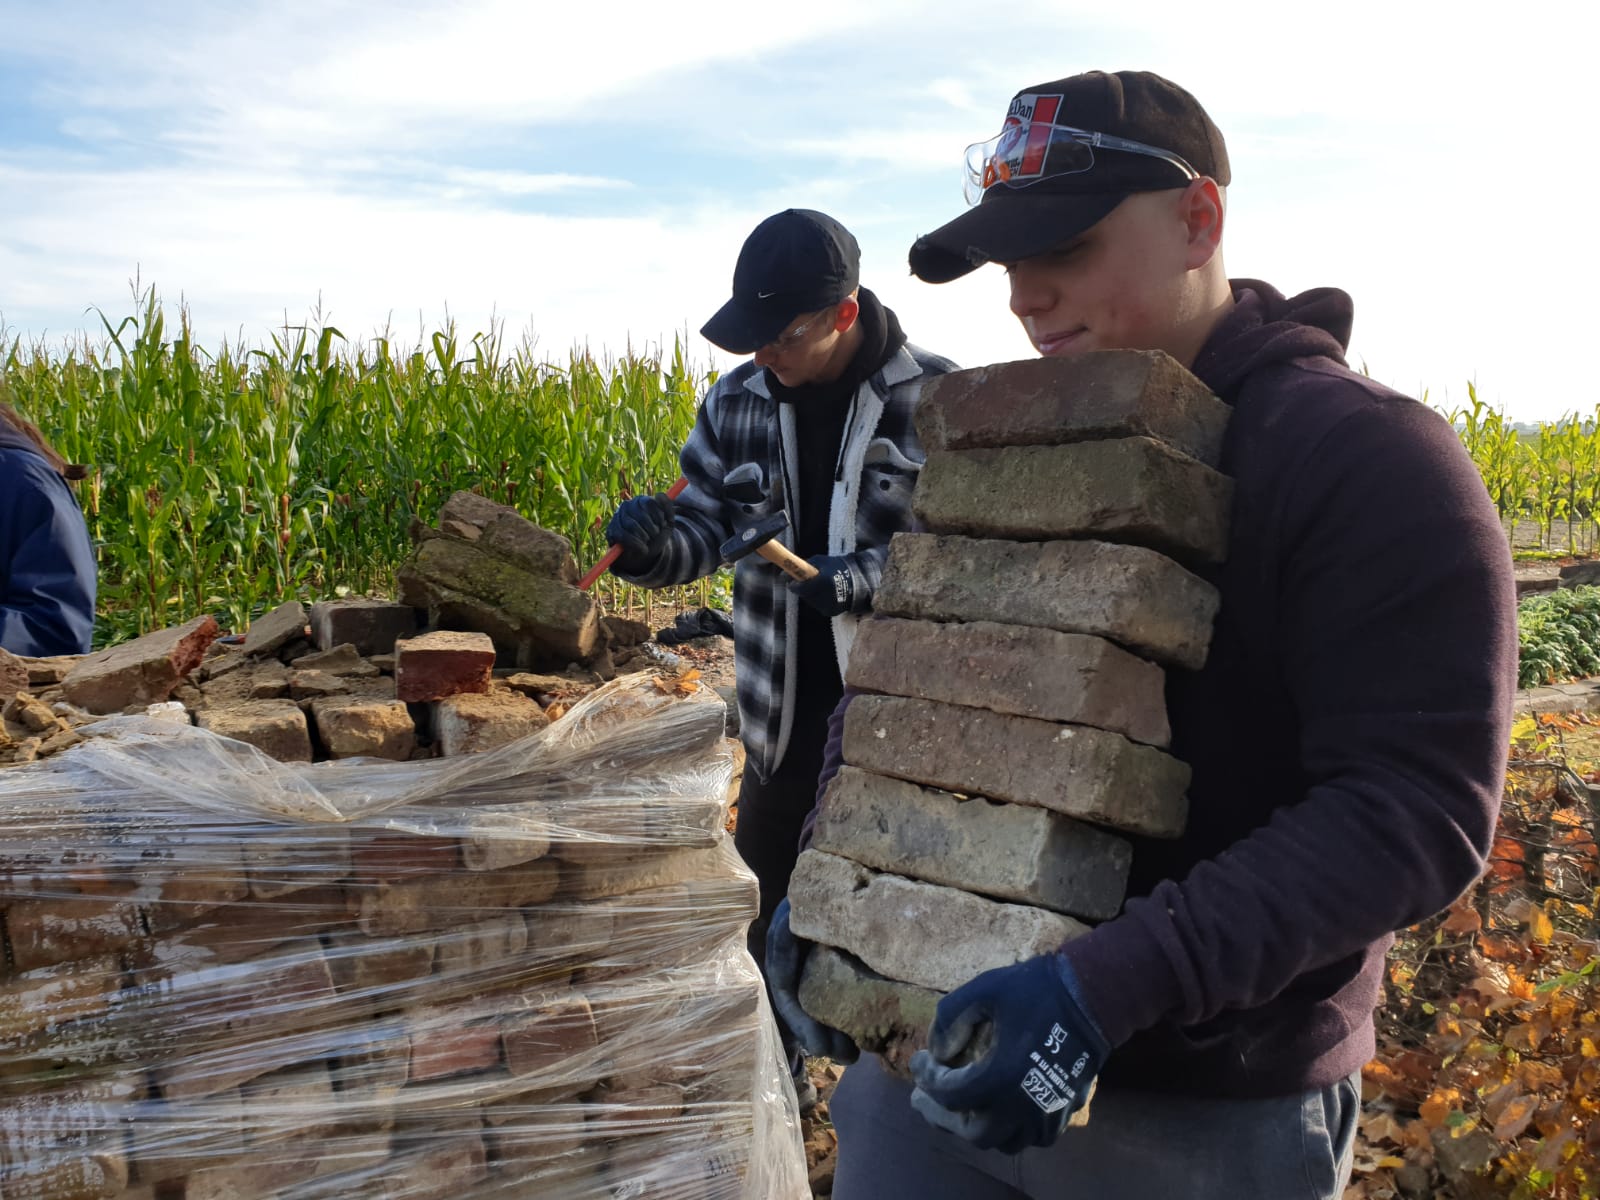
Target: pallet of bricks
1013, 753
518, 973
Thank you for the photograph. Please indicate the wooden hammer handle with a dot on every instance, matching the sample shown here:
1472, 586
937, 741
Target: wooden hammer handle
787, 561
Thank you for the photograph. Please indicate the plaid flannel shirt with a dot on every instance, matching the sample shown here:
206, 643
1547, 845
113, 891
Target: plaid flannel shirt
741, 429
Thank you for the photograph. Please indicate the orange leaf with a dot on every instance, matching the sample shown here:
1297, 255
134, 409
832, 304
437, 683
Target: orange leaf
1514, 1118
1438, 1106
1539, 927
1463, 918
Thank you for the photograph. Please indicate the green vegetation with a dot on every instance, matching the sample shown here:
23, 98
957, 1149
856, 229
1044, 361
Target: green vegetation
1552, 476
228, 483
1559, 633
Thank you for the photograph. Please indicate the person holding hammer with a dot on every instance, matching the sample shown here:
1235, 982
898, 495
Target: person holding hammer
815, 427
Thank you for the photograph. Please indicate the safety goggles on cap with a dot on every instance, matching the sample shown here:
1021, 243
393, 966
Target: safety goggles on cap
1026, 152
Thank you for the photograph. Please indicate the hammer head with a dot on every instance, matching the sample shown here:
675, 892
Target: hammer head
752, 537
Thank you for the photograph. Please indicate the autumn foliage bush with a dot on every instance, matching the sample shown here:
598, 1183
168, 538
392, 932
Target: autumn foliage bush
1487, 1079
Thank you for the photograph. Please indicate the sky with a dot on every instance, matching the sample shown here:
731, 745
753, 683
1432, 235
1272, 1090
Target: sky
584, 174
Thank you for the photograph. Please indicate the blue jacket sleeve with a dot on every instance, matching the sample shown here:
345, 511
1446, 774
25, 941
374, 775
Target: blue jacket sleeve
47, 565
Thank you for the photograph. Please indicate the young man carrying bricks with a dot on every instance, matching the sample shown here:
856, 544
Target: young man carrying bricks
1347, 732
817, 425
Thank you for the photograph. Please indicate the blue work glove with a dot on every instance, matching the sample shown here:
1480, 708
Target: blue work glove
786, 958
1010, 1056
832, 590
641, 526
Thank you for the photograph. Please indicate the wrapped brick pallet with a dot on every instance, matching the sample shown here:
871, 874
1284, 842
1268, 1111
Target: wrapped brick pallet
516, 974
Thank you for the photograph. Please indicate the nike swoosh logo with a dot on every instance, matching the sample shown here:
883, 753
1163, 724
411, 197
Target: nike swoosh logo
765, 295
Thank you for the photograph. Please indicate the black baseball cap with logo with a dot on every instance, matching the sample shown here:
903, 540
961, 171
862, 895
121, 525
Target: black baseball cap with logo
794, 262
1069, 152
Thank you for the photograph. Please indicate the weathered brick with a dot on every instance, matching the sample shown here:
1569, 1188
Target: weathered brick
275, 727
142, 671
67, 1141
634, 868
567, 930
442, 663
65, 928
168, 1140
378, 969
440, 901
317, 685
1130, 594
380, 855
1008, 851
546, 1039
438, 1173
240, 931
371, 626
232, 1017
471, 723
1128, 490
1049, 401
289, 1103
1084, 773
442, 1044
13, 674
491, 840
274, 630
48, 998
1016, 669
481, 948
279, 860
881, 1015
355, 726
841, 903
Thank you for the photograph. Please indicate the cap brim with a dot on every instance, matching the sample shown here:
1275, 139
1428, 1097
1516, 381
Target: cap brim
1007, 229
739, 331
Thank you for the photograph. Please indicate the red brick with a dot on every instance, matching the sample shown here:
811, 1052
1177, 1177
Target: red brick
437, 1173
442, 664
492, 946
280, 860
241, 931
381, 856
547, 1039
378, 969
444, 1047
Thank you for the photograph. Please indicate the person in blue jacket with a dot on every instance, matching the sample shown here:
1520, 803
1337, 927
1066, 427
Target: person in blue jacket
47, 567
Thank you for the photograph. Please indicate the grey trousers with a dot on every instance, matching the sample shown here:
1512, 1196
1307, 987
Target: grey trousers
1136, 1146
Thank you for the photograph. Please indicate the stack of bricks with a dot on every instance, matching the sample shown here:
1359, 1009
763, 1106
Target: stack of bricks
1017, 734
517, 974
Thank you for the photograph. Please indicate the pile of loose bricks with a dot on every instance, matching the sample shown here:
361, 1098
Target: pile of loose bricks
520, 973
1018, 725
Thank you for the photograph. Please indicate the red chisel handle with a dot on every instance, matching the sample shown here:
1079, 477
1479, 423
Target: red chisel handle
615, 552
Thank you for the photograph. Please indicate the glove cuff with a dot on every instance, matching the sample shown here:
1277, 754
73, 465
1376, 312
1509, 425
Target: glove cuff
1073, 987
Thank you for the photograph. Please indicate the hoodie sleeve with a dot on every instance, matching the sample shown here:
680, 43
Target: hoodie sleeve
48, 592
1396, 639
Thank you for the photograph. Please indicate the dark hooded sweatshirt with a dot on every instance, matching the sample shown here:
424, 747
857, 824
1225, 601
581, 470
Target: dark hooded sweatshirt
1348, 732
47, 568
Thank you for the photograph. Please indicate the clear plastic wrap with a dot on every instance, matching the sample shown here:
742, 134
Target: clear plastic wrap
521, 973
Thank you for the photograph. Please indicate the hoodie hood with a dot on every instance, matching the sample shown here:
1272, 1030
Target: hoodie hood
12, 438
1264, 327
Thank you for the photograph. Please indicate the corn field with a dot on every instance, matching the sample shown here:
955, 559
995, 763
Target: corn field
1550, 478
229, 482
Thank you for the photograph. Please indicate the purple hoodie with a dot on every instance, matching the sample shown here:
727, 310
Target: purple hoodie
1348, 733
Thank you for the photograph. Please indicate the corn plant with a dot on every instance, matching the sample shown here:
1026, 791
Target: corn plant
227, 482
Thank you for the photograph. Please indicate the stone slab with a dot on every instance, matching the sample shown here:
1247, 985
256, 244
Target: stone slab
1084, 773
885, 921
1135, 596
1017, 669
1048, 401
1131, 490
274, 630
1007, 851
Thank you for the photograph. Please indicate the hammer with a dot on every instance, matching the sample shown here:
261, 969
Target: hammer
758, 539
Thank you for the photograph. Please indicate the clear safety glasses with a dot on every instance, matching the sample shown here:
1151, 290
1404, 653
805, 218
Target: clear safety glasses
1025, 153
